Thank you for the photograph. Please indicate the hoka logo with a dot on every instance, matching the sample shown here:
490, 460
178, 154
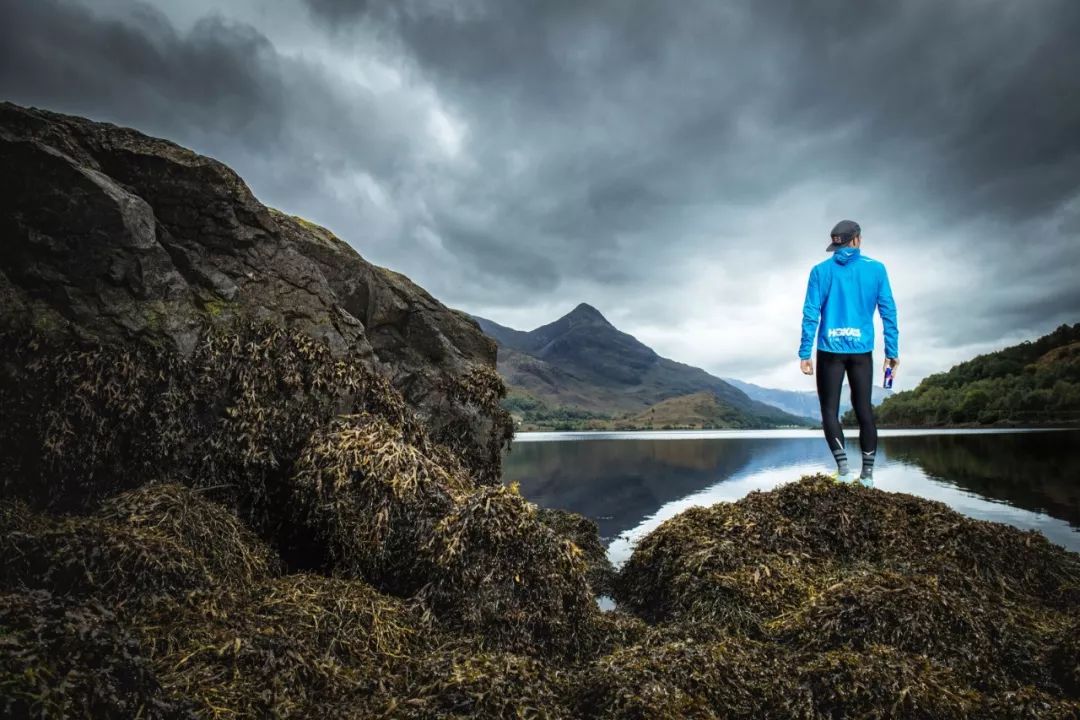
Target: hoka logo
845, 332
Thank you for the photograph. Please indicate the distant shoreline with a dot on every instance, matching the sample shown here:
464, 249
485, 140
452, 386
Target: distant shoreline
775, 433
949, 426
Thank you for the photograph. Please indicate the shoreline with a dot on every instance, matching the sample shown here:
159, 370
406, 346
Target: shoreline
792, 433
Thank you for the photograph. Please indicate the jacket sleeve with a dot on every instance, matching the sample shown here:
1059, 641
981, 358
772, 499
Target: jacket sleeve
887, 308
811, 315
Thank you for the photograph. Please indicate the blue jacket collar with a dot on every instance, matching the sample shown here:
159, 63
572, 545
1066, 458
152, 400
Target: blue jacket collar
845, 255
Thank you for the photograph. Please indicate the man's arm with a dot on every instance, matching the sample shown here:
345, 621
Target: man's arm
811, 316
887, 309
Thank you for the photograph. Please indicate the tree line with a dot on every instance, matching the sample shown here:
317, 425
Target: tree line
1034, 382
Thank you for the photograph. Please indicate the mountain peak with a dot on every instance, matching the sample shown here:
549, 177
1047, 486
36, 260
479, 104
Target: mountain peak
585, 313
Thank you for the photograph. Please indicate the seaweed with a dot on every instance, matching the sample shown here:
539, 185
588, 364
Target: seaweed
1062, 656
584, 533
475, 400
883, 604
58, 661
86, 420
372, 499
671, 675
260, 529
769, 553
461, 680
159, 541
882, 682
983, 644
230, 551
498, 572
296, 646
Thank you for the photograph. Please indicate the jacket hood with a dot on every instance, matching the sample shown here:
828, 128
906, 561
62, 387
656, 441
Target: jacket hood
845, 255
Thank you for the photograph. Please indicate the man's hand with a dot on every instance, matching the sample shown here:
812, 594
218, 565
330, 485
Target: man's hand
891, 363
807, 367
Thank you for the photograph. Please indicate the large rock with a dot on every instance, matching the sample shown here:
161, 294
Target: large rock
113, 236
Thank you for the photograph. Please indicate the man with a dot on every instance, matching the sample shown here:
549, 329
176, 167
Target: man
841, 295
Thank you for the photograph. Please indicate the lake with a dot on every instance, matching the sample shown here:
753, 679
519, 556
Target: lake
630, 482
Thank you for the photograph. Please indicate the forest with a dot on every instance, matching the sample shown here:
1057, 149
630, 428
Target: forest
1036, 383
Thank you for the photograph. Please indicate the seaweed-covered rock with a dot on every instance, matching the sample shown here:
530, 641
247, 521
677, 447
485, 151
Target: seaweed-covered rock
501, 574
157, 542
881, 682
1027, 703
233, 415
232, 554
884, 605
59, 661
983, 644
733, 564
672, 676
506, 625
769, 553
616, 629
112, 236
373, 498
584, 533
113, 563
1063, 654
175, 543
461, 681
295, 646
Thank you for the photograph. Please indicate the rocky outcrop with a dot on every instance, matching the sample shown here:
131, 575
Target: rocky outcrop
110, 236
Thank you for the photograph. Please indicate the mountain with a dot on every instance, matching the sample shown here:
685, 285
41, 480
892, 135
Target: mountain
802, 402
1030, 383
582, 371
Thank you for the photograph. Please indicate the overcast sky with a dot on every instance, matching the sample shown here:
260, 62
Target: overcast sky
676, 164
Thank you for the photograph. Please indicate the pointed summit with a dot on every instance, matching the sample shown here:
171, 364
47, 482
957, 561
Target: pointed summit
584, 314
583, 363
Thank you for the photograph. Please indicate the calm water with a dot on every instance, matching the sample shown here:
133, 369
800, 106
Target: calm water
631, 482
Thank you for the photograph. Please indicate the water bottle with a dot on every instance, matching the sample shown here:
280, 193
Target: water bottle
888, 379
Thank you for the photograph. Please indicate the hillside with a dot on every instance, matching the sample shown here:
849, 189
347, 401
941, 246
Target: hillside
701, 410
802, 403
1030, 383
581, 371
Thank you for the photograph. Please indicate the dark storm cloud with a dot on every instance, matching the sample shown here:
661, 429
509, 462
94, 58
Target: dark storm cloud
986, 92
220, 78
987, 89
668, 162
637, 114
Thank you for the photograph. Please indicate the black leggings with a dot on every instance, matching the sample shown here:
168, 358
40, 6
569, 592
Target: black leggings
830, 376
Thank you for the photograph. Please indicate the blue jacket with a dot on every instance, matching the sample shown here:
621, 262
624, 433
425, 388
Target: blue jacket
842, 294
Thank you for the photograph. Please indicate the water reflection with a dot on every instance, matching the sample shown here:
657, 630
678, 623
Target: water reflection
631, 484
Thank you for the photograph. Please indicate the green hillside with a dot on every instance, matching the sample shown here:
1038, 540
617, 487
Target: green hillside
697, 411
1030, 383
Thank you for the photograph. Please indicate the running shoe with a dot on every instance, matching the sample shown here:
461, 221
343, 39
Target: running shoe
867, 481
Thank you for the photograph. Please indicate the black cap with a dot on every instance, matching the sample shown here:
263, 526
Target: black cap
842, 234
